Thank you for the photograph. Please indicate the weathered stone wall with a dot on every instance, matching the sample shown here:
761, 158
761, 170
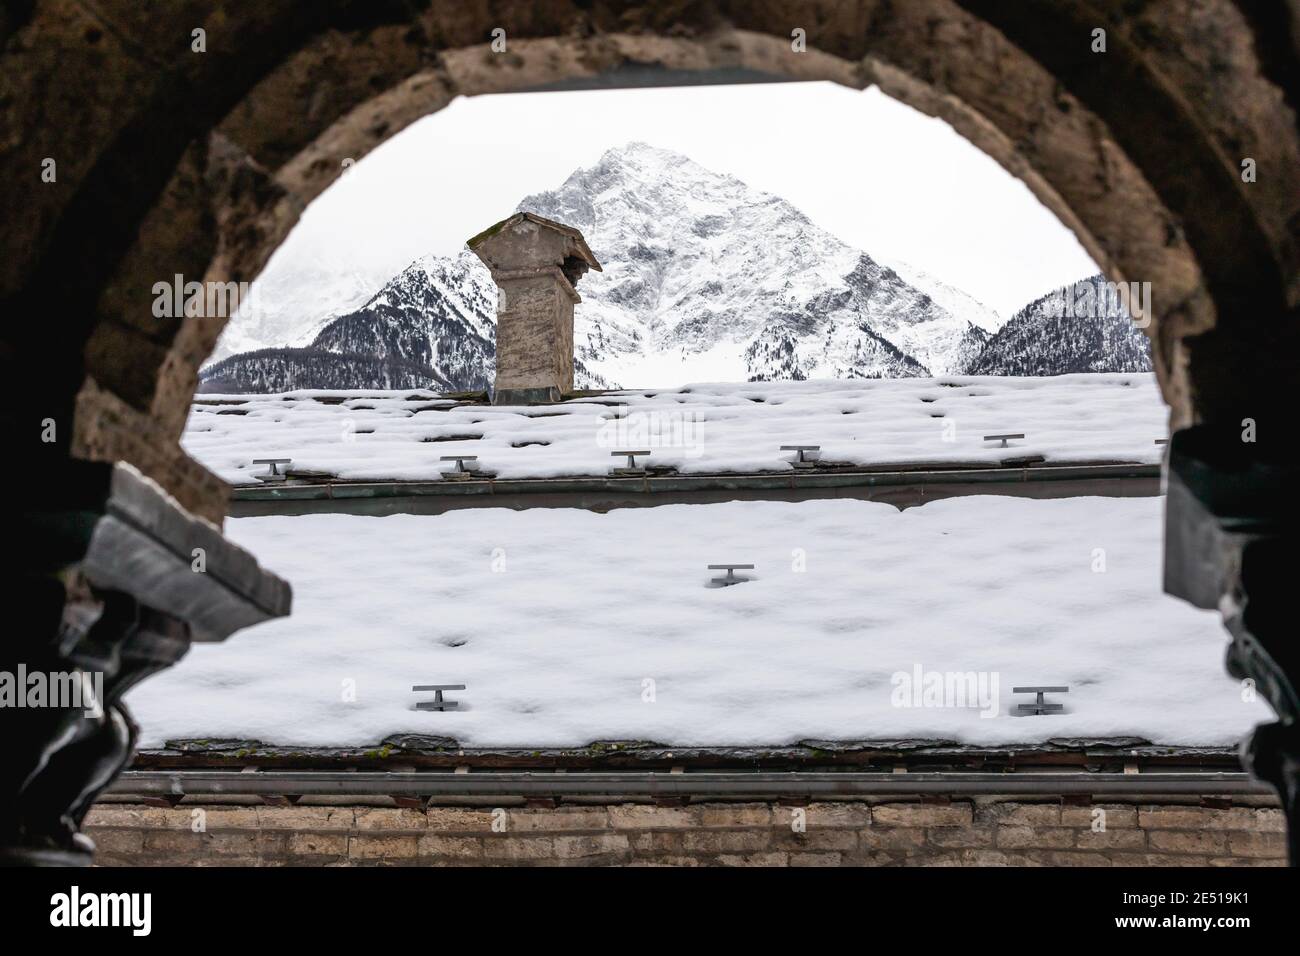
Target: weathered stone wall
990, 831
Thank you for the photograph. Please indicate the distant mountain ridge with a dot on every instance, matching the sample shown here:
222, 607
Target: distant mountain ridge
704, 279
1045, 338
438, 313
268, 371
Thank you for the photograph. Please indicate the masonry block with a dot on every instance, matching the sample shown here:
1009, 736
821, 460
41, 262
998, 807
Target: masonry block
815, 859
1187, 841
1116, 815
1012, 837
375, 846
518, 848
635, 816
570, 847
1118, 838
1270, 844
850, 816
753, 859
1198, 818
739, 815
823, 839
317, 844
112, 841
390, 818
438, 844
891, 838
1020, 814
922, 814
570, 819
307, 818
466, 819
960, 837
725, 841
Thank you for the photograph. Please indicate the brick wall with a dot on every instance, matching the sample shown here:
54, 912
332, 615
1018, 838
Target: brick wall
980, 831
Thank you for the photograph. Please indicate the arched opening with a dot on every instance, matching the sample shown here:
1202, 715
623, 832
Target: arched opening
726, 323
823, 173
1142, 159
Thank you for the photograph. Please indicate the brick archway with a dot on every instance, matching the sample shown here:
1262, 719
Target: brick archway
171, 161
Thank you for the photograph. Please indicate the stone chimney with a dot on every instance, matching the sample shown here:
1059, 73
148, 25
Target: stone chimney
535, 263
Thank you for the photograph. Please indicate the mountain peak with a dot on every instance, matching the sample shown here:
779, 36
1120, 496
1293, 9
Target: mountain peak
639, 146
702, 266
639, 165
640, 152
706, 279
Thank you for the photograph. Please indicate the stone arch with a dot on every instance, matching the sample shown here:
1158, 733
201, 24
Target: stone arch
172, 161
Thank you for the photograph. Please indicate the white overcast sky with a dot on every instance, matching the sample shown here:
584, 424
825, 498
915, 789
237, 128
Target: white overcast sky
878, 174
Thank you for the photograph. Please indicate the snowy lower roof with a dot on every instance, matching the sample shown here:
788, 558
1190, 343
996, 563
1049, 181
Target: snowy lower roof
701, 428
569, 626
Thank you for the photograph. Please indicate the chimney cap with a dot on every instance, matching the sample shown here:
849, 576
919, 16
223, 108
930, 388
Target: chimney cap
568, 231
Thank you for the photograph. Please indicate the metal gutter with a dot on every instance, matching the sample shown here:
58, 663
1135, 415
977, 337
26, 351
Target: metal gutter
752, 785
904, 488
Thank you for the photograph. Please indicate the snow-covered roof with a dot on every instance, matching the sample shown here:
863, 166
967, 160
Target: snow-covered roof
569, 626
698, 429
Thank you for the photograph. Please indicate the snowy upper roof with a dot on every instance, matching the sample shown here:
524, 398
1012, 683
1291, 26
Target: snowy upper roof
700, 429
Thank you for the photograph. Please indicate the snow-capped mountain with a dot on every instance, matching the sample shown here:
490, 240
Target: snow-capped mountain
707, 278
704, 279
438, 313
1082, 327
268, 371
298, 294
949, 297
